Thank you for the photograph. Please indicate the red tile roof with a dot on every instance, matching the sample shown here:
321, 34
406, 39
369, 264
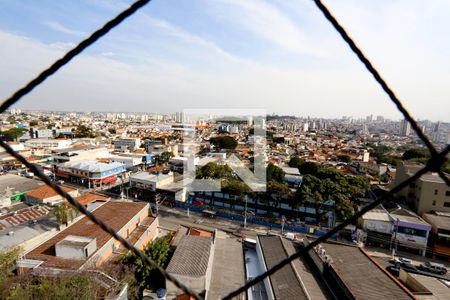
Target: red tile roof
91, 197
199, 232
46, 191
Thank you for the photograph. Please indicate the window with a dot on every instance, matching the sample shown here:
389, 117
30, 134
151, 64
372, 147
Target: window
446, 204
434, 202
447, 193
413, 231
435, 192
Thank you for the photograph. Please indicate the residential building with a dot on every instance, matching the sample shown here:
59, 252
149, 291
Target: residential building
378, 226
352, 274
426, 194
83, 244
148, 181
13, 188
79, 153
292, 177
440, 234
127, 144
49, 144
405, 128
47, 195
410, 230
91, 173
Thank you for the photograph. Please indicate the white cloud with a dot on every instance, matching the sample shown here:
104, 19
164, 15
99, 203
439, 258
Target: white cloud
269, 23
61, 28
401, 43
100, 83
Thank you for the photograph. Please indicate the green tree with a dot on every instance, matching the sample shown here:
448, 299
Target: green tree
277, 193
112, 130
295, 162
33, 123
165, 156
345, 209
146, 277
7, 261
224, 142
309, 167
311, 193
344, 158
63, 213
14, 133
78, 286
416, 153
83, 131
215, 171
275, 173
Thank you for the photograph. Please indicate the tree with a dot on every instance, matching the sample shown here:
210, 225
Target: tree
63, 213
312, 192
275, 173
74, 287
224, 142
416, 153
165, 156
33, 123
14, 133
83, 131
158, 251
215, 171
277, 193
7, 260
345, 209
344, 158
112, 130
308, 167
295, 162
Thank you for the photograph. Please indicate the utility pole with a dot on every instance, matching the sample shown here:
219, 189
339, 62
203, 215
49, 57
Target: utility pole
283, 220
245, 212
394, 240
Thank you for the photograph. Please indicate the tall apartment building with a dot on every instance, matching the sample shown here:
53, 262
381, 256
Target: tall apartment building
405, 128
428, 193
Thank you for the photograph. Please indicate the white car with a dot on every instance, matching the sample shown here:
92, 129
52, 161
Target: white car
399, 260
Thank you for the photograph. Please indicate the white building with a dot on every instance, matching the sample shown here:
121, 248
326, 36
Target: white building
148, 181
125, 144
50, 144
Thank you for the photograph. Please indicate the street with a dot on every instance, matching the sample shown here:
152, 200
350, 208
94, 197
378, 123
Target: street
171, 218
384, 255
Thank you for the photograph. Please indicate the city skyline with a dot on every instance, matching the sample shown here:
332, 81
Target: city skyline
221, 55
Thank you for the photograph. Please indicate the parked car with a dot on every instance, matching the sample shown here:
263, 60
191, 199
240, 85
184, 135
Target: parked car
407, 266
399, 260
394, 270
433, 268
198, 202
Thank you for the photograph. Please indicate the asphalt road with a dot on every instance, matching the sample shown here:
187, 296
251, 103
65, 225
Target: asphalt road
383, 256
171, 218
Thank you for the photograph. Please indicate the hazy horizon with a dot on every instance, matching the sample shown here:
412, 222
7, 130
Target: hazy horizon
224, 54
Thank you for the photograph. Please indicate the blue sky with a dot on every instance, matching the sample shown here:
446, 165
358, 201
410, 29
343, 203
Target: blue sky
277, 55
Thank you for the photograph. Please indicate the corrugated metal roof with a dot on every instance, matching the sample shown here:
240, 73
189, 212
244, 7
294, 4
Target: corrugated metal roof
191, 256
94, 166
